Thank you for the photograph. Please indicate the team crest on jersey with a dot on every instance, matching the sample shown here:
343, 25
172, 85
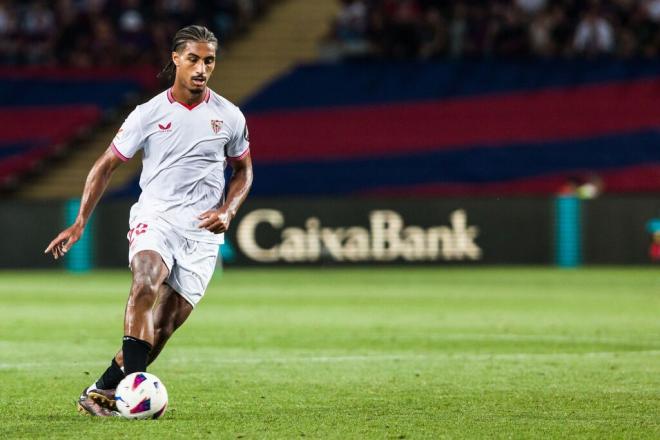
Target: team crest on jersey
216, 125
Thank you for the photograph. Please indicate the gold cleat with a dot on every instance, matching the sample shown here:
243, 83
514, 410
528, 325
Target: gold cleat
87, 405
104, 398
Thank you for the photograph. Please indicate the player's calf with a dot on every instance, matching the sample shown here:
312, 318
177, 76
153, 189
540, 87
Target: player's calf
149, 272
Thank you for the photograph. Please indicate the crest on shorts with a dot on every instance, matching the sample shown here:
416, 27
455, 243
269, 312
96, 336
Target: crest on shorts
216, 125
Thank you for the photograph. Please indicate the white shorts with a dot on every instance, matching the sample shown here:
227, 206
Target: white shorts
190, 263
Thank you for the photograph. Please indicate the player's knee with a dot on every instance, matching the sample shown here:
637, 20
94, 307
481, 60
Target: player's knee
148, 273
144, 289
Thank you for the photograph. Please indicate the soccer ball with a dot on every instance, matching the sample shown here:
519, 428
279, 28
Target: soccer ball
141, 396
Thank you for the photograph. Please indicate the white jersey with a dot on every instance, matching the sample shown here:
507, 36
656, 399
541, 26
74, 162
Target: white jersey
185, 152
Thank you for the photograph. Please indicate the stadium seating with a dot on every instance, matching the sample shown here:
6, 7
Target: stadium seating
455, 128
449, 128
44, 109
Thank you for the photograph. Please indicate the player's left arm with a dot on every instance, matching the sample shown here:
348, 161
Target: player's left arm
218, 220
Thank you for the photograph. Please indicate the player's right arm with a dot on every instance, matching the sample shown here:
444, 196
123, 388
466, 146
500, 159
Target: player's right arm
97, 181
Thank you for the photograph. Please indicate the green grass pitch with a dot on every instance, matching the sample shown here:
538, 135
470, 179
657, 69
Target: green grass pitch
351, 353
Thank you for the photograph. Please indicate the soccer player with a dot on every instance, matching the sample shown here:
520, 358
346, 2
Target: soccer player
188, 134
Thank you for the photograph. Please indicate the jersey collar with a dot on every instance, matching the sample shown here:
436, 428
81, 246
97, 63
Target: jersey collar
170, 98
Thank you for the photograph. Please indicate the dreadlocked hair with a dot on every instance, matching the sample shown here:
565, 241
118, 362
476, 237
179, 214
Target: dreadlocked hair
195, 33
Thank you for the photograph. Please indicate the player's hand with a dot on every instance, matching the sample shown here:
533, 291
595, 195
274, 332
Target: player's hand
64, 240
215, 220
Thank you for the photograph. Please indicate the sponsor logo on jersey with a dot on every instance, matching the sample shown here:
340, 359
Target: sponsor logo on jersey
216, 125
166, 127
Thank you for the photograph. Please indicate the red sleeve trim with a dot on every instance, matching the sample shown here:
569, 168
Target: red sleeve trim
237, 158
117, 153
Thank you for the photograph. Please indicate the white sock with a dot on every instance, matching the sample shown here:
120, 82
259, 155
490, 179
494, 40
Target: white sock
91, 387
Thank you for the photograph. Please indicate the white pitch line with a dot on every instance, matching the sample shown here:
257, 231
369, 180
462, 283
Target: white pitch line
438, 335
541, 338
405, 357
36, 365
359, 358
311, 359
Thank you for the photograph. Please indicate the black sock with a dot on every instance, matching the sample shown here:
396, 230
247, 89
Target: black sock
136, 353
111, 378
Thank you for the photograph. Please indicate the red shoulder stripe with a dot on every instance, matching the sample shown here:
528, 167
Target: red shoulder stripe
237, 158
118, 153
